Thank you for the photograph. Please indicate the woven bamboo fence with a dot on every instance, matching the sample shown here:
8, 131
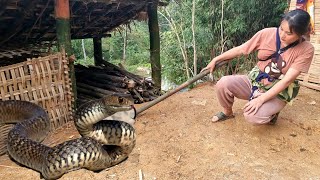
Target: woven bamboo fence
312, 78
44, 81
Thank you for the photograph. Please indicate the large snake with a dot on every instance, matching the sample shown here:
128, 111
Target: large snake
104, 143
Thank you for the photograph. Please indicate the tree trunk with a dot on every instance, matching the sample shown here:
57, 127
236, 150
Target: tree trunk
83, 50
184, 47
154, 43
195, 59
124, 45
180, 43
62, 15
221, 26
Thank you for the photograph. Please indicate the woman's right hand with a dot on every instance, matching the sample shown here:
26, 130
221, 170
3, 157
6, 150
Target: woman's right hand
230, 54
211, 65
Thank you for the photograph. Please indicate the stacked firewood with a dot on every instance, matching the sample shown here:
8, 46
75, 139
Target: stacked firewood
94, 82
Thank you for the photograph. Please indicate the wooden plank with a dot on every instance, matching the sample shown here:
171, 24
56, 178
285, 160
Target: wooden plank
310, 85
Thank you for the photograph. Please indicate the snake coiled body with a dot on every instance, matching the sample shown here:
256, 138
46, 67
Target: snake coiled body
104, 143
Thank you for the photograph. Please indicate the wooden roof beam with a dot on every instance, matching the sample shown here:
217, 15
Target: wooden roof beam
94, 22
91, 36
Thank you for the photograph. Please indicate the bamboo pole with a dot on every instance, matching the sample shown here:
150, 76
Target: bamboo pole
62, 16
185, 84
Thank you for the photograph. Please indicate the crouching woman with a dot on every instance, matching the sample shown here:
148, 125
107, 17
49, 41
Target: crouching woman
283, 54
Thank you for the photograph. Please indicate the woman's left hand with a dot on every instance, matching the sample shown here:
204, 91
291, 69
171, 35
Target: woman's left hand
253, 105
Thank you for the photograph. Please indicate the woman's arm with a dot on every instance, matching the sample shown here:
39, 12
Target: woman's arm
254, 105
289, 77
228, 55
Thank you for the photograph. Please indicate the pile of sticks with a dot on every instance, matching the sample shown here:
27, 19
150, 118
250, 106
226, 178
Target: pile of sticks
94, 82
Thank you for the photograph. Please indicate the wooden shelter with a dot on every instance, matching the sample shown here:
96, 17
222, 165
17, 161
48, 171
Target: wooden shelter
28, 30
312, 78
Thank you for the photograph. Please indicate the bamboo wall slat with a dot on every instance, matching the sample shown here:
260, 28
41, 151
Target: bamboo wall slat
44, 81
312, 78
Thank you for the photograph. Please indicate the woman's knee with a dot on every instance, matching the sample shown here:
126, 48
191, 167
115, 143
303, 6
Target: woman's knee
223, 83
256, 120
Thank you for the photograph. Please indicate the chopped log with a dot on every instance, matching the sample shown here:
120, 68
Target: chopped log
92, 70
151, 93
106, 86
89, 79
138, 95
84, 98
90, 93
111, 69
136, 78
110, 77
131, 84
145, 94
149, 99
96, 94
95, 89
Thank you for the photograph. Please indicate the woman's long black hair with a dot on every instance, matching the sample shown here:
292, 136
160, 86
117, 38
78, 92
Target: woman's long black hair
298, 20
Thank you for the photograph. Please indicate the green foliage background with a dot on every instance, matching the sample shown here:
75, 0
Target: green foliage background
241, 20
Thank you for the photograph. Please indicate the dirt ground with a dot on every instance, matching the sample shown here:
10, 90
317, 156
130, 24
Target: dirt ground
176, 140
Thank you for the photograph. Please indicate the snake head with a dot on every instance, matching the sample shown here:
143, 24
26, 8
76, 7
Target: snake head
115, 104
117, 100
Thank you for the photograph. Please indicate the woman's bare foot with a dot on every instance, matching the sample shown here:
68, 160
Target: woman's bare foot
226, 114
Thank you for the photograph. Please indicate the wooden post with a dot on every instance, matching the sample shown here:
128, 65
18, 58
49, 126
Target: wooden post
97, 49
154, 43
62, 15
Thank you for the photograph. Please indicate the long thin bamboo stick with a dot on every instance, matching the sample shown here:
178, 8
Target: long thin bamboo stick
177, 89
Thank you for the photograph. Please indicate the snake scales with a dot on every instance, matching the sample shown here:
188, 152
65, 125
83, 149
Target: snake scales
102, 145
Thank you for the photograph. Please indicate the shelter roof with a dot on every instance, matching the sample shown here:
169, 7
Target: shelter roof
31, 23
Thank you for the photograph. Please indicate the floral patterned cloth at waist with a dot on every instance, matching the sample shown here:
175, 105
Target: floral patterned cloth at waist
287, 94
